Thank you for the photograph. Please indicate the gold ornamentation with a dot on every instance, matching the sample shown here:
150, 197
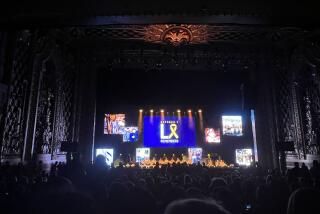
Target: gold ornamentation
176, 34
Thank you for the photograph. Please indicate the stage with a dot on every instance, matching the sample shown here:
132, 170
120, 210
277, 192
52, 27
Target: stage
165, 137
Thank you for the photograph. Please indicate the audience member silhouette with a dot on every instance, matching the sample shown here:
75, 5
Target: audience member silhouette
191, 206
315, 170
304, 200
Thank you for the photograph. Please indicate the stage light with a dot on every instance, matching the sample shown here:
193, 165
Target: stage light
140, 120
151, 111
162, 114
178, 110
200, 120
189, 111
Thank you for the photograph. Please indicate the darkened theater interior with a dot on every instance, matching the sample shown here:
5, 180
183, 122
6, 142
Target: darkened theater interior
159, 107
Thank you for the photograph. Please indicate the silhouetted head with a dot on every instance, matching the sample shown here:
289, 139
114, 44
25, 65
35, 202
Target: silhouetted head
217, 182
59, 185
227, 198
173, 193
302, 200
191, 206
69, 203
193, 192
118, 191
100, 160
76, 156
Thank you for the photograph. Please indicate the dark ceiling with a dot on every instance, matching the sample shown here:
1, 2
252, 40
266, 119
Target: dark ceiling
99, 12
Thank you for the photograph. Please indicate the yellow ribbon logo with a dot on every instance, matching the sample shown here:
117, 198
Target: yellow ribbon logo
173, 129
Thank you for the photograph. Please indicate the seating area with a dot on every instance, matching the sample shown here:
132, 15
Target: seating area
178, 188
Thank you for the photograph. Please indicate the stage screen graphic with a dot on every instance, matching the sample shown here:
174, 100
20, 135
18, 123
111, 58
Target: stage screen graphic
130, 134
195, 154
244, 157
169, 131
232, 125
107, 153
142, 154
114, 123
212, 135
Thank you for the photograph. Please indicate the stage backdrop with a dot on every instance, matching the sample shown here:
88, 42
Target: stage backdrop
169, 131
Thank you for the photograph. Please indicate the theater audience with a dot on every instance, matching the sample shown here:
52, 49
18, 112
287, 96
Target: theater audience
179, 188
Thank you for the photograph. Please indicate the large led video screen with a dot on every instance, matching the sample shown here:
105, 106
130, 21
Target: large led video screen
244, 157
142, 154
107, 153
195, 154
114, 123
169, 131
212, 135
232, 125
130, 134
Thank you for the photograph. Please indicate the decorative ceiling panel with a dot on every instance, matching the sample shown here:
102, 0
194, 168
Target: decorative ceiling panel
182, 34
176, 34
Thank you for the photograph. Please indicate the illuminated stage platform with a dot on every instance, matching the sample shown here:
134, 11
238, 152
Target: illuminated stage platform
205, 162
153, 163
180, 137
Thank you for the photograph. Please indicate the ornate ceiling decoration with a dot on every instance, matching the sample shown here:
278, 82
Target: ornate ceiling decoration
176, 34
180, 34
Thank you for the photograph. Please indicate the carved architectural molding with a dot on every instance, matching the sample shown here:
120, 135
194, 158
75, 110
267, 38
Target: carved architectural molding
15, 118
298, 139
56, 103
41, 98
186, 33
305, 83
176, 34
45, 113
284, 102
64, 105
